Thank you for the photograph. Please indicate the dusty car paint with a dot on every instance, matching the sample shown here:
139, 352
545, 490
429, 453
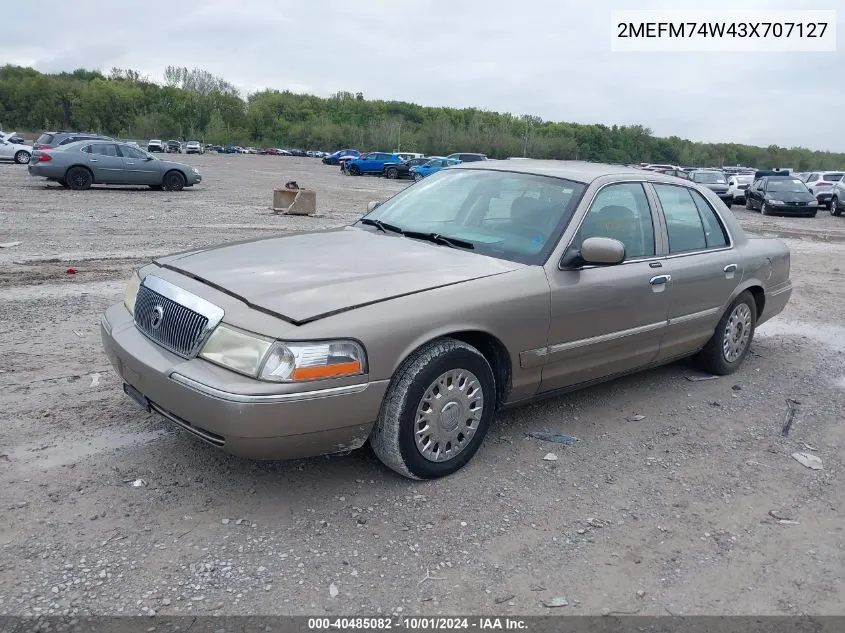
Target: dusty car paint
545, 329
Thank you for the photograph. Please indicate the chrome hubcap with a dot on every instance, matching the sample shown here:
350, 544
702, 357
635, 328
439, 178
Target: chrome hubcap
737, 333
448, 415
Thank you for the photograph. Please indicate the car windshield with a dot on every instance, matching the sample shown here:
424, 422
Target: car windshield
791, 185
517, 217
832, 177
709, 178
44, 139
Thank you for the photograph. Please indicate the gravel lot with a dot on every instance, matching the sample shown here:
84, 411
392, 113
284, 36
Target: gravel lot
668, 513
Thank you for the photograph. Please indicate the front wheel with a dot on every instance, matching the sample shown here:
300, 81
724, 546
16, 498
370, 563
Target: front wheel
834, 207
22, 157
765, 209
748, 204
417, 177
729, 345
173, 181
437, 410
354, 170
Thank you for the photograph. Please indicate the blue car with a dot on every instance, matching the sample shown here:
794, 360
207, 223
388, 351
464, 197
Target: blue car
372, 163
434, 165
334, 159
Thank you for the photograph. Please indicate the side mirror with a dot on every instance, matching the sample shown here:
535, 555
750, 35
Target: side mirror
371, 206
149, 158
596, 251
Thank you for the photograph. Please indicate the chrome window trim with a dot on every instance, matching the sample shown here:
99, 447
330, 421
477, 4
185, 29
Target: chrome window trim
719, 218
642, 182
301, 396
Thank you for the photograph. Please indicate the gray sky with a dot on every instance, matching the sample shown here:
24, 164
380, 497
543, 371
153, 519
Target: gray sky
551, 58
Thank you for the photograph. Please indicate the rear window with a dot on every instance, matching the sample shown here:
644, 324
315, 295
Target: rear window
44, 139
832, 177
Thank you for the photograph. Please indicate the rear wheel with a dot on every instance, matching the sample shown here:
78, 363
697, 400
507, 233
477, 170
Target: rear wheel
437, 410
79, 178
22, 157
392, 173
731, 341
173, 181
834, 207
354, 170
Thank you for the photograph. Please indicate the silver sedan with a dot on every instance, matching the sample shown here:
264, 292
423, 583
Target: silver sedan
84, 163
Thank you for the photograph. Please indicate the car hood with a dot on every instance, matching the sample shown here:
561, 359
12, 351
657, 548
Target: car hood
790, 196
308, 276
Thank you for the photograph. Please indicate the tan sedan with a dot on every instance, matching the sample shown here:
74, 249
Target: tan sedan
485, 285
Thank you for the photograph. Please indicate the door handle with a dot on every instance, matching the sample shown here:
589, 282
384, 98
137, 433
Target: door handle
660, 280
94, 160
130, 163
730, 268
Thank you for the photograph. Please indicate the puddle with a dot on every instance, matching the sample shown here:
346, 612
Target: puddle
65, 453
825, 334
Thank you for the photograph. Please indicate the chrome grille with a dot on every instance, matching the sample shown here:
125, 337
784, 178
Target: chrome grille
168, 323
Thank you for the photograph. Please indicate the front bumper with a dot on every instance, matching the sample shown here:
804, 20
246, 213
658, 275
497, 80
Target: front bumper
241, 416
790, 209
193, 179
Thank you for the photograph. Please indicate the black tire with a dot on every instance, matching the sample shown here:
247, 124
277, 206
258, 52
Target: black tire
79, 178
354, 170
417, 177
812, 215
748, 204
22, 157
173, 181
393, 437
834, 207
63, 183
392, 173
713, 357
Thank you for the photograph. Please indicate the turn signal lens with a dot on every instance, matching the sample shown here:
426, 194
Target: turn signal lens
300, 361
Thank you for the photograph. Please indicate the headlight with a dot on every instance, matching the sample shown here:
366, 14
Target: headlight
196, 171
297, 362
131, 292
236, 349
776, 202
813, 203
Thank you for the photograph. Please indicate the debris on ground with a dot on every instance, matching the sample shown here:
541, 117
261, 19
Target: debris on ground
640, 594
635, 418
9, 244
504, 599
807, 447
550, 457
559, 438
71, 271
334, 592
95, 380
780, 516
554, 603
700, 378
139, 483
792, 409
809, 460
597, 523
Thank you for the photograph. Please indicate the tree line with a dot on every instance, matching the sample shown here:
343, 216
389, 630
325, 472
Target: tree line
195, 104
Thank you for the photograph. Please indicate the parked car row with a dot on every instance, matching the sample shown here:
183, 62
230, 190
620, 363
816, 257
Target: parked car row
14, 148
773, 191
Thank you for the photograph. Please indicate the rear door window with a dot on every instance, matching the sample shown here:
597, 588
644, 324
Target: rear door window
683, 222
104, 149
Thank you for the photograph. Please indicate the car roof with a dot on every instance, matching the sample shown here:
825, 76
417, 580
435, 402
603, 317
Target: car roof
578, 171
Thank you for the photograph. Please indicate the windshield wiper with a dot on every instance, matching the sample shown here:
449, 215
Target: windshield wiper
452, 242
382, 226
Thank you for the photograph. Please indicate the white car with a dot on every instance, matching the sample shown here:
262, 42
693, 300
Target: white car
820, 184
194, 147
155, 145
14, 151
737, 184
